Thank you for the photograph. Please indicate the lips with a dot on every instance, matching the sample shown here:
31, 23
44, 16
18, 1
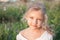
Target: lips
34, 25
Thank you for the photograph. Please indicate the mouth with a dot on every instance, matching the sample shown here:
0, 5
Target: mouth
34, 25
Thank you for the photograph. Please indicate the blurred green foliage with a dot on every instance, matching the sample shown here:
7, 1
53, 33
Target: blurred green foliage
54, 21
11, 24
12, 13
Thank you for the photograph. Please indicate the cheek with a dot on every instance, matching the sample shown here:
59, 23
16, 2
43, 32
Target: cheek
39, 23
29, 22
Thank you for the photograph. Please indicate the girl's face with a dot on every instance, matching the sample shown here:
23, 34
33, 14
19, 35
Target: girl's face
35, 19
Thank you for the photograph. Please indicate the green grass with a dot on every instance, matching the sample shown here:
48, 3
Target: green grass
9, 31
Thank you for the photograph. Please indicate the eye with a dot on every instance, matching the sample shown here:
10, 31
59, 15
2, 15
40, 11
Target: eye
40, 19
31, 17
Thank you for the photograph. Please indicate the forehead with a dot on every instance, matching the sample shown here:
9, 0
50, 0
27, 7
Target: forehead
36, 14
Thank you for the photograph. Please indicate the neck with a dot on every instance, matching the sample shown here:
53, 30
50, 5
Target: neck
35, 29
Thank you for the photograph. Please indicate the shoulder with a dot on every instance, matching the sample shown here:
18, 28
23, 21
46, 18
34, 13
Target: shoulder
47, 36
50, 36
23, 31
19, 35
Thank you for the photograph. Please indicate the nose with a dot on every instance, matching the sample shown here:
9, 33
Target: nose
35, 22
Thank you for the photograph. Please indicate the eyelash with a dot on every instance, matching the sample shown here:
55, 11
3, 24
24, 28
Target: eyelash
37, 19
31, 17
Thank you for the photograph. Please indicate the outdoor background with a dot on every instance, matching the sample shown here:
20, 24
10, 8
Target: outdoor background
11, 12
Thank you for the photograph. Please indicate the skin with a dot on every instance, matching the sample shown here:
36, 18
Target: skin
35, 20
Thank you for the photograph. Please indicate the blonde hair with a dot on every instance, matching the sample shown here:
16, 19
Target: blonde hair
36, 7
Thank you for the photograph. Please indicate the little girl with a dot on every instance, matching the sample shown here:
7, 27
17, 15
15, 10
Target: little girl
37, 21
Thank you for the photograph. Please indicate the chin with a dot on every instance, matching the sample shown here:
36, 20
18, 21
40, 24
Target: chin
34, 27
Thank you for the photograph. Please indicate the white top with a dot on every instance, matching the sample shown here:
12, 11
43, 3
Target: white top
44, 36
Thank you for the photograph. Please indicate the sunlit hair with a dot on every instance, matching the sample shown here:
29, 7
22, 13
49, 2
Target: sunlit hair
37, 7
